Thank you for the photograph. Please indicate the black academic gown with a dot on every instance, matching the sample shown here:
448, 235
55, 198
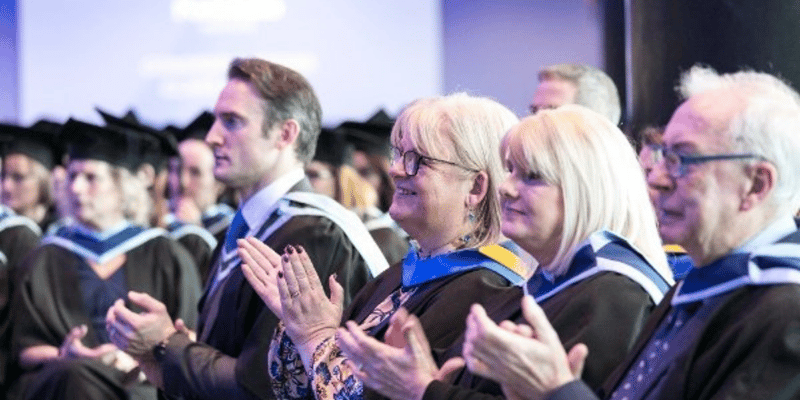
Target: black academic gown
393, 246
48, 304
442, 305
747, 347
747, 350
605, 311
198, 242
235, 327
16, 242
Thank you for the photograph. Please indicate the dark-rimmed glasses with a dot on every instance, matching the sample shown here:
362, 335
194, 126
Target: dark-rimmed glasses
411, 160
676, 163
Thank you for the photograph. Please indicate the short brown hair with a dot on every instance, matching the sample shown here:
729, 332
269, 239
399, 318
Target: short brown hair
287, 95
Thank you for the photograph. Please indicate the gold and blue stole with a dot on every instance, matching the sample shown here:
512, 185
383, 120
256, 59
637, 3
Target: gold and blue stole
417, 271
101, 247
602, 252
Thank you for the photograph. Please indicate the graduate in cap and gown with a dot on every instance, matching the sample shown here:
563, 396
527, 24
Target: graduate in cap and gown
29, 156
371, 157
156, 148
197, 219
68, 283
331, 174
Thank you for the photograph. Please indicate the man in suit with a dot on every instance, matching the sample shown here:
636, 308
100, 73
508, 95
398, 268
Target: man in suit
727, 193
266, 127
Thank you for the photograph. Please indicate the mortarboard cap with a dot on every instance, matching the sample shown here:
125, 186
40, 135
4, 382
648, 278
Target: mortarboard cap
198, 128
156, 146
333, 148
85, 141
371, 136
39, 144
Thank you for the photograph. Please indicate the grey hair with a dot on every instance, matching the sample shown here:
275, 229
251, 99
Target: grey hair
596, 90
767, 125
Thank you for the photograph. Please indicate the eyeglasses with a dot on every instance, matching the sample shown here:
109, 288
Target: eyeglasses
677, 163
533, 108
411, 160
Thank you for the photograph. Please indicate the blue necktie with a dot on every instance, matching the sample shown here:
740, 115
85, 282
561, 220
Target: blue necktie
237, 230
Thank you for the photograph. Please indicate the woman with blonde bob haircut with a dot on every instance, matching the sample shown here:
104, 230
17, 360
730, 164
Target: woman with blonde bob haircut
575, 199
445, 167
601, 182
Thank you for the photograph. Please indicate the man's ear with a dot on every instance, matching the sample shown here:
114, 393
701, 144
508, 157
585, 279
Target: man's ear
762, 177
289, 131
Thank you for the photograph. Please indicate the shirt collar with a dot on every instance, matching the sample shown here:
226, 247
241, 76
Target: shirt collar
776, 230
258, 207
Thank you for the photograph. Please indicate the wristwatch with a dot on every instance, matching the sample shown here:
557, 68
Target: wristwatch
160, 349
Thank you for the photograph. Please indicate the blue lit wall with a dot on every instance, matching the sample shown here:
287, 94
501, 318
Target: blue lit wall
8, 60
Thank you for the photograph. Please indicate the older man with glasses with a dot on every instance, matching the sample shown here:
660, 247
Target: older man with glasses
727, 191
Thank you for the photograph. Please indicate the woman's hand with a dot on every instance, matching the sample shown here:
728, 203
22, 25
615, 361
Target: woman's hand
308, 315
401, 371
73, 347
260, 266
523, 359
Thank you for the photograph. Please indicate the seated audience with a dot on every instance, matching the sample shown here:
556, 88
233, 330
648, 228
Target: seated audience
266, 128
727, 194
445, 174
601, 268
331, 174
70, 281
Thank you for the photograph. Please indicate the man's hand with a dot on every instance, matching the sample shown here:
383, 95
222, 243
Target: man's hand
138, 333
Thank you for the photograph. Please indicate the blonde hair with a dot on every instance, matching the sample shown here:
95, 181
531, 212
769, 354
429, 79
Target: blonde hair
597, 170
465, 130
353, 192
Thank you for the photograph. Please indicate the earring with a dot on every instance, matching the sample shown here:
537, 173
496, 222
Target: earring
471, 216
